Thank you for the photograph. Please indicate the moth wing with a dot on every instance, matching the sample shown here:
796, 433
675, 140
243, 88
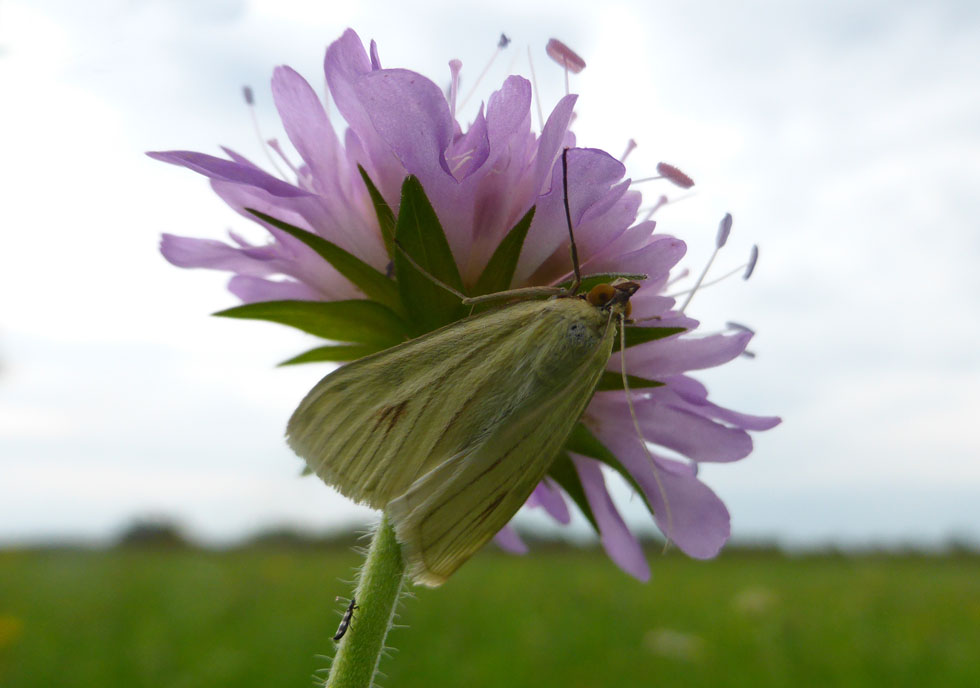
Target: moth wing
452, 511
374, 426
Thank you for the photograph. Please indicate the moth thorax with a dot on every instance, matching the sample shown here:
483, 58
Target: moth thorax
615, 294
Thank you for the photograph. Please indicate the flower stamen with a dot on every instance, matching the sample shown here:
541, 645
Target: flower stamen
250, 103
724, 229
662, 201
454, 68
630, 147
746, 268
501, 44
566, 57
274, 145
534, 87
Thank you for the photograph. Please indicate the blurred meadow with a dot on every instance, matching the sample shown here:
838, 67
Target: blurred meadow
264, 615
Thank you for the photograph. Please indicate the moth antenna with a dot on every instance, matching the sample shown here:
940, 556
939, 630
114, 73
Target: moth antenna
636, 426
432, 278
568, 219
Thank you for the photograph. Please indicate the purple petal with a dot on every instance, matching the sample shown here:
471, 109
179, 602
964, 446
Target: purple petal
654, 260
647, 303
412, 117
552, 138
694, 394
690, 434
619, 543
238, 157
591, 174
685, 509
508, 109
470, 151
310, 131
297, 260
226, 170
508, 539
189, 252
253, 289
345, 63
548, 496
680, 354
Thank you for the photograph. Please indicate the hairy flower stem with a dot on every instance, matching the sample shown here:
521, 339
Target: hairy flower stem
378, 588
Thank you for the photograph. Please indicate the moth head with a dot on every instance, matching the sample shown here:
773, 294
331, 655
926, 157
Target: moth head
616, 295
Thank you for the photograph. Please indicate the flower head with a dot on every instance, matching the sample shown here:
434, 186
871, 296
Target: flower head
481, 182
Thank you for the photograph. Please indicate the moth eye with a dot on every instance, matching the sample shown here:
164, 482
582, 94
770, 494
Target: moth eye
629, 310
600, 294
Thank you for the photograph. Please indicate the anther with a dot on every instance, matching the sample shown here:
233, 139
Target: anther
724, 229
566, 57
674, 175
739, 326
750, 266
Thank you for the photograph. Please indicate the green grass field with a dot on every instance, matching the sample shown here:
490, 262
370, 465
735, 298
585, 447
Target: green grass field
263, 617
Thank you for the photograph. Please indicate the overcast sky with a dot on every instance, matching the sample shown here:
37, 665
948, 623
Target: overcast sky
844, 137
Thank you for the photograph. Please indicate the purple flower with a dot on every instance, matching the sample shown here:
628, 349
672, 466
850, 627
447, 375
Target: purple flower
481, 182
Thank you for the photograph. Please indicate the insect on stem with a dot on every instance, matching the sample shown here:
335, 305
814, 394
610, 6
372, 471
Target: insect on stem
346, 621
568, 219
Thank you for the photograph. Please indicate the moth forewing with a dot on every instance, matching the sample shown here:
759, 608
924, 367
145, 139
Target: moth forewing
456, 426
376, 425
452, 511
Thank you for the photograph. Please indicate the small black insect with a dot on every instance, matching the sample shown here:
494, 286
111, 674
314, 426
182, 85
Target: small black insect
345, 622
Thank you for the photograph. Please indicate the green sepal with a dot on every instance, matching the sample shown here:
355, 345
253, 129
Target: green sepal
375, 285
499, 272
582, 441
419, 234
386, 218
614, 381
642, 335
336, 352
563, 472
360, 321
589, 281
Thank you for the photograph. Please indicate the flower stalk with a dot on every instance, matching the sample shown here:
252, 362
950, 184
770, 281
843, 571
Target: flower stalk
378, 589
